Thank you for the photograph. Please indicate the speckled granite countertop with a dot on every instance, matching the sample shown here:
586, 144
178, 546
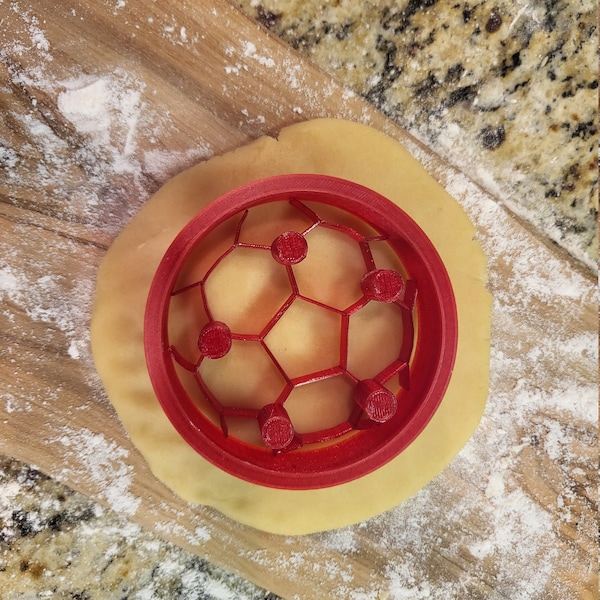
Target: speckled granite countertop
515, 78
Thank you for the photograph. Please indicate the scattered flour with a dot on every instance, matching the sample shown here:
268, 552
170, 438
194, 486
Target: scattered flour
49, 300
249, 50
83, 550
102, 462
516, 532
110, 113
9, 284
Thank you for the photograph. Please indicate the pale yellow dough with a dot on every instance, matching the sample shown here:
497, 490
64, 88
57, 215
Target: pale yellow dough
332, 147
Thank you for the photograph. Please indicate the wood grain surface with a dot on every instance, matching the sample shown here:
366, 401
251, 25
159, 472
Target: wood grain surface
220, 81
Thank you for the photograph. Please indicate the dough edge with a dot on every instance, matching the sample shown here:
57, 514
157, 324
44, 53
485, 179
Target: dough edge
325, 146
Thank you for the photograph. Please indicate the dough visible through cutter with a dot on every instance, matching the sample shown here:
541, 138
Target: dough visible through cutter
326, 146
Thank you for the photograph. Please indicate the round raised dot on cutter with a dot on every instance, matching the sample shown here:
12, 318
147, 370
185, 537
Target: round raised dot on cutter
378, 402
214, 340
276, 427
289, 248
383, 285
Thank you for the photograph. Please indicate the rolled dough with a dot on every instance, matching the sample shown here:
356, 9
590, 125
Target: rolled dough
330, 147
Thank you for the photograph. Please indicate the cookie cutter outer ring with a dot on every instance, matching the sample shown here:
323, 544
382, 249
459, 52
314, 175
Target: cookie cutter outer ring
430, 368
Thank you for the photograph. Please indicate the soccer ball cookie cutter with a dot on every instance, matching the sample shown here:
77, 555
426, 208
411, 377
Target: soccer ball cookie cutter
384, 410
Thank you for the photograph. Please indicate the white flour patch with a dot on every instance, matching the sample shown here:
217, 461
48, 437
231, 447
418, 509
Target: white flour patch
202, 534
510, 521
177, 530
163, 165
8, 158
108, 110
74, 350
84, 104
9, 284
13, 404
249, 50
51, 300
113, 111
340, 540
9, 491
102, 462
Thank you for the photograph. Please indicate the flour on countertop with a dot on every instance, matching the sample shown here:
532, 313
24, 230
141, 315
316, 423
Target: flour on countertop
44, 299
250, 51
102, 462
94, 544
97, 107
110, 113
515, 531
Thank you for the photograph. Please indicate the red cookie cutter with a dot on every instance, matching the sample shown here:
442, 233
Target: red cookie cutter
391, 407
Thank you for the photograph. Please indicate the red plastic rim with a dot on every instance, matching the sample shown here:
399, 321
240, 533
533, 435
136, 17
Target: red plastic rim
383, 423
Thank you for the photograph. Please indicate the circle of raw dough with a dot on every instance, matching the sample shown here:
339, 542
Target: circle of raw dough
325, 146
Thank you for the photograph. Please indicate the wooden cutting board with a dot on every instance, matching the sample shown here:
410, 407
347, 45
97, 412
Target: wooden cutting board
178, 81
